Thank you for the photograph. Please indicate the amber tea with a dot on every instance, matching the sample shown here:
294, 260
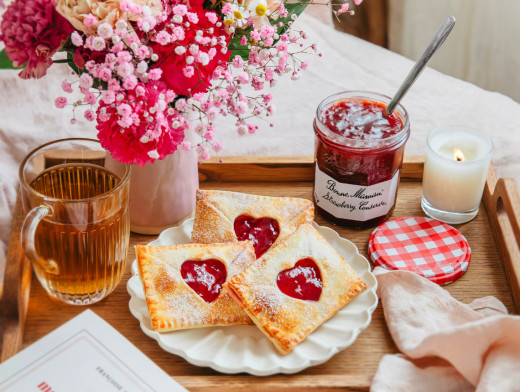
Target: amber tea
83, 241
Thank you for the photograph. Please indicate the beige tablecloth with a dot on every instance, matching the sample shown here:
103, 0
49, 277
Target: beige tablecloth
28, 116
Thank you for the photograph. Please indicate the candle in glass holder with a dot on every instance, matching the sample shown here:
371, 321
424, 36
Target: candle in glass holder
455, 171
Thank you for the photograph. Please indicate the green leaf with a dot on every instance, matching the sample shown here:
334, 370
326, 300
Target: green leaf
72, 65
5, 61
243, 51
293, 8
235, 47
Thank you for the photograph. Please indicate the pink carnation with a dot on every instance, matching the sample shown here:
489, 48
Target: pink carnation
90, 98
90, 20
89, 115
227, 9
138, 144
66, 86
185, 145
76, 39
212, 17
60, 102
108, 97
217, 146
344, 8
33, 31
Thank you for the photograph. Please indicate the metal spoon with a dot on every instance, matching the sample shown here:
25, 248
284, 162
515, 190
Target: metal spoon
436, 43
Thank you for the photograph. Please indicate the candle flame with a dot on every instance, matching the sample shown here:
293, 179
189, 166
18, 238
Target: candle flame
458, 155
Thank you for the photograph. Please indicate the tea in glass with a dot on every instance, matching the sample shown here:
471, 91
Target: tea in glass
77, 232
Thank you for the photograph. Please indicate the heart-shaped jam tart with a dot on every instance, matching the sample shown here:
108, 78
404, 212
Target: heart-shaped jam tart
303, 281
204, 277
262, 231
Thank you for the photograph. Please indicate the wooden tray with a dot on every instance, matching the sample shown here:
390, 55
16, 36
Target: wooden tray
29, 314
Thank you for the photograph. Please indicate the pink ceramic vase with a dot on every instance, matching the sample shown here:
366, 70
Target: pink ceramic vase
162, 194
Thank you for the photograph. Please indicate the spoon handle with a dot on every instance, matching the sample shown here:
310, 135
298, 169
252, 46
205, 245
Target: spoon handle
435, 44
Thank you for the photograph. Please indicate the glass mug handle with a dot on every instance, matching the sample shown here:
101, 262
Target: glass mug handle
28, 232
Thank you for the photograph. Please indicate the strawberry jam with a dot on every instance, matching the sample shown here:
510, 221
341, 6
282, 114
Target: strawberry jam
204, 277
262, 231
358, 157
303, 281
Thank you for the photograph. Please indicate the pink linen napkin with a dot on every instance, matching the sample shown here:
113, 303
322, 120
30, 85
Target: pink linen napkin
448, 346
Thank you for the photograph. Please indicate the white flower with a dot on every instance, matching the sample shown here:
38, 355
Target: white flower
145, 27
262, 10
238, 18
153, 154
76, 39
203, 58
147, 11
142, 67
98, 44
104, 30
264, 54
258, 8
121, 24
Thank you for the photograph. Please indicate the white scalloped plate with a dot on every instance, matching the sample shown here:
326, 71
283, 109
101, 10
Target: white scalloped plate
245, 348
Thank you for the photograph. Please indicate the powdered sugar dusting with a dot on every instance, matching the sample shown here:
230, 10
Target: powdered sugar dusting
216, 212
267, 299
360, 120
174, 302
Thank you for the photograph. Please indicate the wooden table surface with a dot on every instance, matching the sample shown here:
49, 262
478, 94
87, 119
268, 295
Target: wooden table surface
354, 367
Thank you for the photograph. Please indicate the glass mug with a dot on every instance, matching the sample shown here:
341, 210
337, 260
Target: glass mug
77, 228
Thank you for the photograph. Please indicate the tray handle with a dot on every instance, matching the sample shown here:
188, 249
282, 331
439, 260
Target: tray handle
15, 293
503, 209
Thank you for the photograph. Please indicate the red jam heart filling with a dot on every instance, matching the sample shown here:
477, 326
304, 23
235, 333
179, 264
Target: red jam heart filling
204, 277
303, 281
262, 231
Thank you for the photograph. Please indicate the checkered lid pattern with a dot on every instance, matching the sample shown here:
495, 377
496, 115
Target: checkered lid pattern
425, 246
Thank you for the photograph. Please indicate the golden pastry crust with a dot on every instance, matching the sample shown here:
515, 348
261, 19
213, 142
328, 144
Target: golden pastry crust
285, 320
173, 304
216, 211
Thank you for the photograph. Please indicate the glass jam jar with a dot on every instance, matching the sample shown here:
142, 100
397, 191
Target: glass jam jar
359, 154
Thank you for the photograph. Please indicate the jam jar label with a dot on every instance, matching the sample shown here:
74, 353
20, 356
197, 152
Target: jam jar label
354, 202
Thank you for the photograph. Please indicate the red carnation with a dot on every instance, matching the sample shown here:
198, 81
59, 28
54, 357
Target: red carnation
33, 31
187, 78
140, 140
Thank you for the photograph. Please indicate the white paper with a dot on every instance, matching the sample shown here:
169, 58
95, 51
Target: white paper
84, 355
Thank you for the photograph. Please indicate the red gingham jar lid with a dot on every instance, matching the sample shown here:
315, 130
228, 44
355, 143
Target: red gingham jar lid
425, 246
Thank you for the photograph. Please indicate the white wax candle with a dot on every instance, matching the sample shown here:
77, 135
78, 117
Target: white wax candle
451, 185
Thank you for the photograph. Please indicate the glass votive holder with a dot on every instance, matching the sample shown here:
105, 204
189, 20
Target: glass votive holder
455, 171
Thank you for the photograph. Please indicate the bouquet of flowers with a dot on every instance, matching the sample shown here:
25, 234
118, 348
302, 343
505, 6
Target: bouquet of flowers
148, 70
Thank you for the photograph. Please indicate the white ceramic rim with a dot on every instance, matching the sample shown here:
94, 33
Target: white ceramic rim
282, 364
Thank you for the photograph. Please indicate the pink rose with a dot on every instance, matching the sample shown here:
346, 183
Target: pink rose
104, 11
